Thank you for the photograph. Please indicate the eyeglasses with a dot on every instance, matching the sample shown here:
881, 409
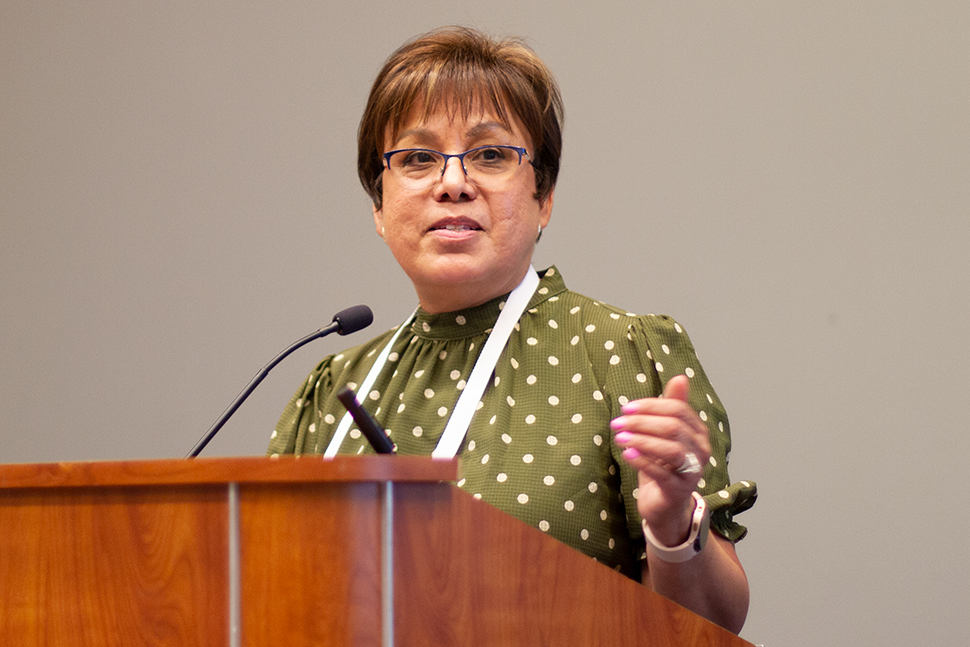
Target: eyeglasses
485, 165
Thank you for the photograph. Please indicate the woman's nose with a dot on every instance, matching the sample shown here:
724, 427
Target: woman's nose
454, 183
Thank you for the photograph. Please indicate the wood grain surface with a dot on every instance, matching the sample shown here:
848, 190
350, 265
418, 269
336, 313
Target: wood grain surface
311, 565
105, 554
259, 469
126, 567
469, 575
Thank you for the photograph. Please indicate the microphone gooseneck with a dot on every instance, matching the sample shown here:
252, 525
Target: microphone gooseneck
344, 322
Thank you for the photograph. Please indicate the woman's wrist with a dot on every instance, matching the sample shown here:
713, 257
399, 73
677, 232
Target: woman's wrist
671, 527
680, 547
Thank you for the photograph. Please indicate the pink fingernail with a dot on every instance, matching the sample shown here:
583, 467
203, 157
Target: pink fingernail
630, 454
623, 437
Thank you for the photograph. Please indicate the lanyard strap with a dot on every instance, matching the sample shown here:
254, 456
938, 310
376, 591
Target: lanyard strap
461, 417
471, 395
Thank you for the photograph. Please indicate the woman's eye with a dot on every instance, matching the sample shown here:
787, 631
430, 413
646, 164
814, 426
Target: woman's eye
418, 158
490, 155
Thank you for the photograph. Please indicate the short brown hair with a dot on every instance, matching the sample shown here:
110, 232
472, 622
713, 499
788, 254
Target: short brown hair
463, 69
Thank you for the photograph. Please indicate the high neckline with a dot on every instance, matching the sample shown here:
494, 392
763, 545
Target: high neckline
470, 322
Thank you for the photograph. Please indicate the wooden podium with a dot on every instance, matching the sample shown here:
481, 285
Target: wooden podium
357, 551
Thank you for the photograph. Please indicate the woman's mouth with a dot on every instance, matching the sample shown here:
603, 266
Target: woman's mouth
457, 225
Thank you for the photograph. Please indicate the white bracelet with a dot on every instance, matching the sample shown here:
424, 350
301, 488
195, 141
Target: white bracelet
699, 524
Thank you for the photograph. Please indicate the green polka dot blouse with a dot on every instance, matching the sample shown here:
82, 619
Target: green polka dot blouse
539, 447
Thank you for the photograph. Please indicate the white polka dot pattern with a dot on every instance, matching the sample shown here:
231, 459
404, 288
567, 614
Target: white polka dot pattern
539, 446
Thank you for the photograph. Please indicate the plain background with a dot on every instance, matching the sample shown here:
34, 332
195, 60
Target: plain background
178, 202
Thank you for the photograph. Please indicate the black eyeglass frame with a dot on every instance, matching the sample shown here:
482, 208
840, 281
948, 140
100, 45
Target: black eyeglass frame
461, 156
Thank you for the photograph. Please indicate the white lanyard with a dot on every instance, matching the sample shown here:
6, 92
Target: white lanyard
471, 395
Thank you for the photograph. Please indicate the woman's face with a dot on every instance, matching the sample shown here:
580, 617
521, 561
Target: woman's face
461, 243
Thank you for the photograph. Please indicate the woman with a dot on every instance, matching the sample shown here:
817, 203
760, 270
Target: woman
552, 400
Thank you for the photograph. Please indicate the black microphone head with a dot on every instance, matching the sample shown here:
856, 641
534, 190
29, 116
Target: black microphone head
353, 319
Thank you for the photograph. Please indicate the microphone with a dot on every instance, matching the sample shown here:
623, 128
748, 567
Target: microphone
344, 322
371, 429
349, 320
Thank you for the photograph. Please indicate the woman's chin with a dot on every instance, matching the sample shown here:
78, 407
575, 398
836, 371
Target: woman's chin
457, 282
457, 271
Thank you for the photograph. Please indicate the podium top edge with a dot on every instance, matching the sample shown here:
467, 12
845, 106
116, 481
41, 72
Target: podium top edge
197, 471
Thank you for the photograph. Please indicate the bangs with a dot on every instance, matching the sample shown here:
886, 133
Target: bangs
459, 92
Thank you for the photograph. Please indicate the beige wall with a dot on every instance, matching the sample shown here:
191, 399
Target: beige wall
178, 202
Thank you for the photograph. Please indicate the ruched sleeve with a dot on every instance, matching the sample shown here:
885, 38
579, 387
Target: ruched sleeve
666, 345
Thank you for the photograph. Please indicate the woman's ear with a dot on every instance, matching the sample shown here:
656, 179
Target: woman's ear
545, 210
378, 220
